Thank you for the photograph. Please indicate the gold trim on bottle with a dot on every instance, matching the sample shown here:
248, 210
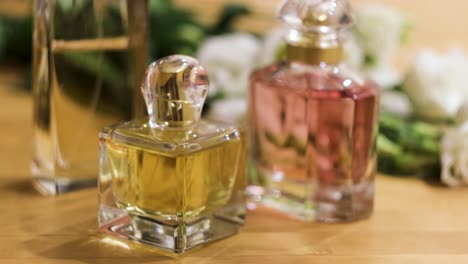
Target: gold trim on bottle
314, 55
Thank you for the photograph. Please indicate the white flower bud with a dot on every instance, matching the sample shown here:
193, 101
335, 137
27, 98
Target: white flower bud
454, 156
379, 31
437, 83
229, 60
231, 111
396, 103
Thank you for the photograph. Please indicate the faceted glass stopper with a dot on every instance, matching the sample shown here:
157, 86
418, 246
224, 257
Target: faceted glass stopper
316, 15
175, 89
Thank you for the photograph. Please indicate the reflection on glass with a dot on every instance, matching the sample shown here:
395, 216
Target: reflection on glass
89, 57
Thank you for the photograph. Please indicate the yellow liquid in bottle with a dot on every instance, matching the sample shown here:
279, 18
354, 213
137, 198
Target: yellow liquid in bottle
173, 185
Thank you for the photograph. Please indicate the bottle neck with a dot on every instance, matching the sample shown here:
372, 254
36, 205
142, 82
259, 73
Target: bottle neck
172, 133
314, 55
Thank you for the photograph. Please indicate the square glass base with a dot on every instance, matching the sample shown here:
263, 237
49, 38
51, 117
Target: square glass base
331, 204
48, 184
175, 238
344, 203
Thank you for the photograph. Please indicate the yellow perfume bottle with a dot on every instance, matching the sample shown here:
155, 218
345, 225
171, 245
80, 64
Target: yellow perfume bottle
171, 180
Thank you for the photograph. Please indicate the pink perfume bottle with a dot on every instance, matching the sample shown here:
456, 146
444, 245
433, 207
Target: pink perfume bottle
313, 121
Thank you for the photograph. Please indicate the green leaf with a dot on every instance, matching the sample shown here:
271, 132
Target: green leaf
426, 130
2, 39
387, 147
191, 33
405, 33
369, 60
173, 30
16, 39
281, 52
226, 20
407, 146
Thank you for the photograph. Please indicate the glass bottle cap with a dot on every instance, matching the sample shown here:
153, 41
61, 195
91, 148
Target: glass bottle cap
316, 15
315, 29
175, 89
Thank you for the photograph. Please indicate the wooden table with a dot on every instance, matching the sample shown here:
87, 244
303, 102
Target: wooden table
413, 222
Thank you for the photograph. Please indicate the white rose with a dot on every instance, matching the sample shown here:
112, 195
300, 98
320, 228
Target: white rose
379, 31
437, 83
229, 60
354, 55
396, 103
228, 110
454, 156
385, 75
462, 114
271, 45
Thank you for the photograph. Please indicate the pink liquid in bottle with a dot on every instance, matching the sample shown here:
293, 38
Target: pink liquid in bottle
313, 134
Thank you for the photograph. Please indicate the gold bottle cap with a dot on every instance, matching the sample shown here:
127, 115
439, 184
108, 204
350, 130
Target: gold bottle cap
315, 29
175, 89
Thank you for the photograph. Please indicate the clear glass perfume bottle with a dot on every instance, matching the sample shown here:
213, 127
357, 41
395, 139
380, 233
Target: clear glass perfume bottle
313, 121
171, 181
89, 58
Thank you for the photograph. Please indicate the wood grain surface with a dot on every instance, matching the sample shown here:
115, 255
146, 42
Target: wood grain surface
414, 222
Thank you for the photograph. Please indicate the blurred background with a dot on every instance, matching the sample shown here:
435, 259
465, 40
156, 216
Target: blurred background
414, 62
436, 24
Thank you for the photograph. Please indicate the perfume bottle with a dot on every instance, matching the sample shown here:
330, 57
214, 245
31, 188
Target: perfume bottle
171, 180
313, 121
89, 59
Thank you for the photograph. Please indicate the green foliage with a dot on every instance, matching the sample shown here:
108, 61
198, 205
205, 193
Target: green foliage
16, 39
405, 34
2, 38
174, 30
281, 53
369, 60
228, 15
408, 147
